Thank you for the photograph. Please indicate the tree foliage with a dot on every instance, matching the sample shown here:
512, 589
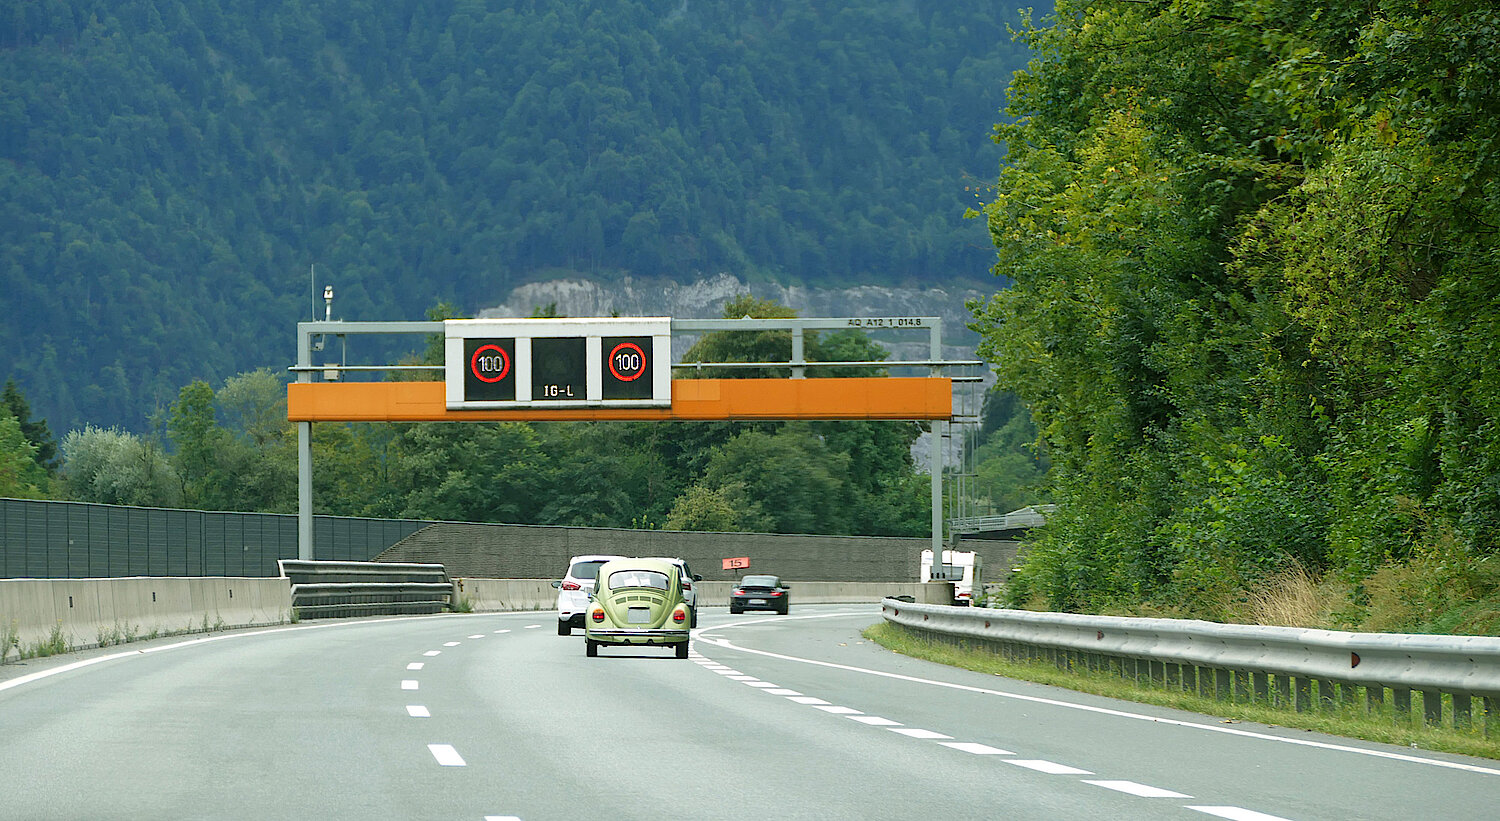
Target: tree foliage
1255, 308
173, 167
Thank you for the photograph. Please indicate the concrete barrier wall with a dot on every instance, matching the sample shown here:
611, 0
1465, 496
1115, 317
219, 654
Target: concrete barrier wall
94, 612
494, 595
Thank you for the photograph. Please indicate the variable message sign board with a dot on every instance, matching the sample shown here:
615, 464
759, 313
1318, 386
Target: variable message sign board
558, 363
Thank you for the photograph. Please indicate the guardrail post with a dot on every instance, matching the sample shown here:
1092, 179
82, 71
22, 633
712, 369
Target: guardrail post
1304, 694
1223, 689
1327, 695
1374, 698
1490, 720
1262, 685
1283, 691
1158, 673
1205, 682
1401, 699
1189, 678
1463, 717
1242, 686
1432, 707
1174, 677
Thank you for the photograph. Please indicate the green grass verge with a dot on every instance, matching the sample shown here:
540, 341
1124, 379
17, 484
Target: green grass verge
1353, 721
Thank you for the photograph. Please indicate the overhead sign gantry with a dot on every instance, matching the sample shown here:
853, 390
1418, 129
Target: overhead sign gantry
607, 368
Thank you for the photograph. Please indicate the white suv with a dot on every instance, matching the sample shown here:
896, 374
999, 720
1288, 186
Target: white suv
574, 589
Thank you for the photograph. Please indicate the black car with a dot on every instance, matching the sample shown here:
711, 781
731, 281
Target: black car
760, 593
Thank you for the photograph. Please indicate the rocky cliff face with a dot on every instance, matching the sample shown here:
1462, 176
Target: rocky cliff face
705, 298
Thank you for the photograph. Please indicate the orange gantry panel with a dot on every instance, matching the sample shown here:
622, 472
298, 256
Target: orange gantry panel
886, 397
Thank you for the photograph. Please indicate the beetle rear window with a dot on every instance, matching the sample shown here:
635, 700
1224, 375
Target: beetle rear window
638, 578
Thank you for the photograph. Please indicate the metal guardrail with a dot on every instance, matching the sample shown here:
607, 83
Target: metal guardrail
1283, 666
343, 589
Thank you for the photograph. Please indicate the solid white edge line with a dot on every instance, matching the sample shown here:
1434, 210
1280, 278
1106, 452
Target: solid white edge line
446, 755
1193, 725
66, 668
1237, 814
1137, 789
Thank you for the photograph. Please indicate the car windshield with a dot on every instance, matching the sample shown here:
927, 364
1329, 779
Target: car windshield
585, 570
759, 581
637, 578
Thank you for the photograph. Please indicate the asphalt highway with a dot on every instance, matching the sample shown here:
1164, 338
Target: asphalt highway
495, 716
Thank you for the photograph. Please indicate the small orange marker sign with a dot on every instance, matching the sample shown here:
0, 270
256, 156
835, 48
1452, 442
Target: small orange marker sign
737, 564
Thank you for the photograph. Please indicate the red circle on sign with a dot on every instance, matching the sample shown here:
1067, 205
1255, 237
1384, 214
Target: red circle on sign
474, 363
631, 346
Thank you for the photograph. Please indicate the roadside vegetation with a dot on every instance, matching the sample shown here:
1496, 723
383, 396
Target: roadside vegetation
1255, 312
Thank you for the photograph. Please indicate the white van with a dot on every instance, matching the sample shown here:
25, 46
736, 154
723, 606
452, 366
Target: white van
965, 570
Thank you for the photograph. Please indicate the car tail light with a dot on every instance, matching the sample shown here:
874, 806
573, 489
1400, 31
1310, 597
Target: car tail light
687, 585
774, 593
679, 615
598, 614
571, 586
739, 592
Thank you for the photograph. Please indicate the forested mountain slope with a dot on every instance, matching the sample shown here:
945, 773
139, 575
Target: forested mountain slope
173, 167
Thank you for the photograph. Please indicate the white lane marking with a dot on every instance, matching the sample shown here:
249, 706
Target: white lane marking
532, 626
807, 700
452, 643
1050, 767
498, 632
39, 675
446, 755
742, 677
1238, 814
782, 691
502, 818
1052, 702
761, 684
837, 710
433, 653
408, 684
976, 749
417, 711
480, 636
876, 721
416, 665
728, 672
915, 733
1142, 790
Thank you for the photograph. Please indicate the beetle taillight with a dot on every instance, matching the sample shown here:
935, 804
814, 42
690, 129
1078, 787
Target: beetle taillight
679, 615
598, 614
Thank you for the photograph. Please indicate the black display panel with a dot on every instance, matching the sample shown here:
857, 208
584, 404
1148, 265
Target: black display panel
627, 367
559, 369
490, 374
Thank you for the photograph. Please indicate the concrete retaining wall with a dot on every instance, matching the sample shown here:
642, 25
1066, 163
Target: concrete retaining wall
93, 612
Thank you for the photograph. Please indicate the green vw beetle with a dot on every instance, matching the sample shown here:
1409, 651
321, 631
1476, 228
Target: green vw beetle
637, 602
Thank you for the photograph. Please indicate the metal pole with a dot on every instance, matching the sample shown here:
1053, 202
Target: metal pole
304, 456
797, 373
939, 429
